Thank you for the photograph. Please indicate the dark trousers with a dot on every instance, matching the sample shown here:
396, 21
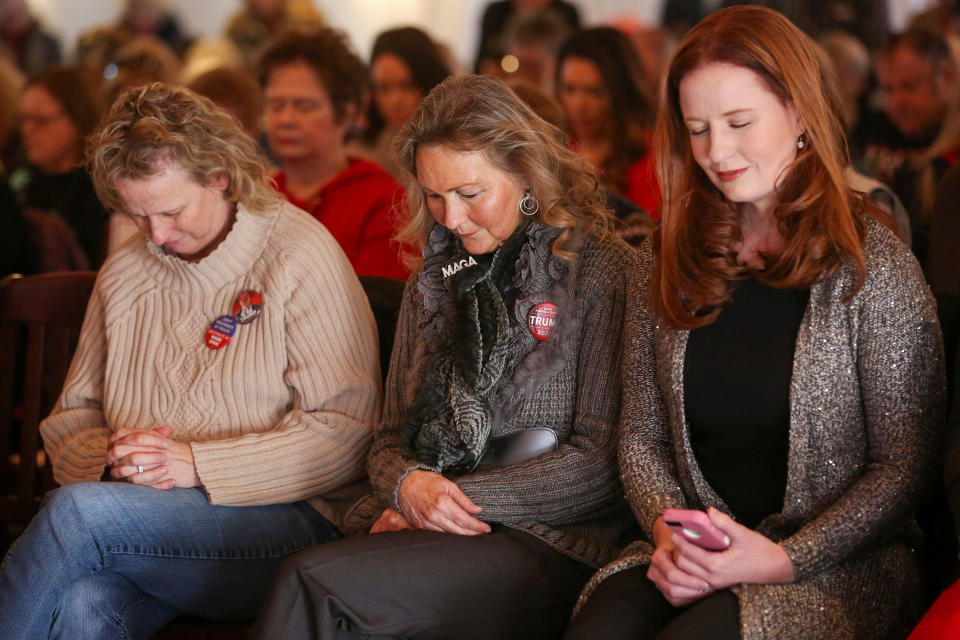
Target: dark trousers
423, 585
627, 606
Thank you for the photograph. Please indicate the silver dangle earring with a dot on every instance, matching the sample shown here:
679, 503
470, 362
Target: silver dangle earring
801, 142
529, 206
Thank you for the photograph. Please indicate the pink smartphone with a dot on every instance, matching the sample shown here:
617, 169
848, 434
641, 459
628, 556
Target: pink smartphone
696, 527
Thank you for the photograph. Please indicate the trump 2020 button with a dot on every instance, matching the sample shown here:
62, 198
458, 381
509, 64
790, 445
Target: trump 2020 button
542, 319
221, 331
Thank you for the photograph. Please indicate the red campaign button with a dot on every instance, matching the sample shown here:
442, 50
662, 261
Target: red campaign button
220, 332
247, 307
542, 319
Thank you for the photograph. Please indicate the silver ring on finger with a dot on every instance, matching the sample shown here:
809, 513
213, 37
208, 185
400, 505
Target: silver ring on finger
140, 469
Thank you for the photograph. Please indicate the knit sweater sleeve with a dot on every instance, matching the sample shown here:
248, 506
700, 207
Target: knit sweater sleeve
580, 479
899, 361
386, 465
647, 463
331, 369
573, 483
75, 434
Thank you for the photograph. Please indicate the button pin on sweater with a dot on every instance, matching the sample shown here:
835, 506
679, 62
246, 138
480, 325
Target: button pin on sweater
542, 319
247, 307
220, 332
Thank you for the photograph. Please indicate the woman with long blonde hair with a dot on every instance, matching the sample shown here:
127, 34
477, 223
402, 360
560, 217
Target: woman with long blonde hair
495, 488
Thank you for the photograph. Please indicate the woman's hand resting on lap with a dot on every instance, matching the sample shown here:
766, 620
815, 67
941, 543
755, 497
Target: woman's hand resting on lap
685, 573
430, 501
166, 463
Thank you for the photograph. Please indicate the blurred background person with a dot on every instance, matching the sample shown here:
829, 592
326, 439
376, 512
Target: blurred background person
140, 61
150, 18
609, 111
25, 39
95, 53
530, 45
853, 67
918, 80
257, 21
930, 168
207, 54
498, 15
313, 89
405, 65
867, 20
236, 91
848, 62
57, 111
633, 224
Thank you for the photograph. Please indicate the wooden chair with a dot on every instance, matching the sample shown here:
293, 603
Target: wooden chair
40, 320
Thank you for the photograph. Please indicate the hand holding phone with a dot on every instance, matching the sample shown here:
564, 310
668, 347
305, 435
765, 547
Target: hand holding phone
696, 527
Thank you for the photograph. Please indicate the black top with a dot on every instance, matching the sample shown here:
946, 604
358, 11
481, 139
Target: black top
737, 383
71, 196
18, 254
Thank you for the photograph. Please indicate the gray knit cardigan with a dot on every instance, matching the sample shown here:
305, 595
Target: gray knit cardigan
571, 498
866, 407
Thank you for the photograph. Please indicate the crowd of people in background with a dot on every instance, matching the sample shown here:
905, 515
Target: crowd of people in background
598, 84
332, 126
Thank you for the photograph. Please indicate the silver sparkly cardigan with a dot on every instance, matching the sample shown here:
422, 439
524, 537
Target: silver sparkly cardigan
866, 407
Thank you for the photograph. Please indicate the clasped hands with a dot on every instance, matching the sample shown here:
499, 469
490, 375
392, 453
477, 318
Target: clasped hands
430, 501
684, 573
166, 463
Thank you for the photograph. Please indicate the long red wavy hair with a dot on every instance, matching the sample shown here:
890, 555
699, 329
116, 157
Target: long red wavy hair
820, 219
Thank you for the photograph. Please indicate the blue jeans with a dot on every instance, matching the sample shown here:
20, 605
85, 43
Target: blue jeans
116, 560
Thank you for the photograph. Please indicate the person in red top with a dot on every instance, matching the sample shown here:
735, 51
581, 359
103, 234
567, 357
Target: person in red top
606, 98
313, 90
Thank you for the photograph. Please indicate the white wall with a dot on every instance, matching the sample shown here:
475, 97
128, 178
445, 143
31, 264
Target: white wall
453, 22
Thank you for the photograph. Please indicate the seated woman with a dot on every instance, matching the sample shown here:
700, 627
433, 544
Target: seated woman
313, 88
496, 454
226, 380
783, 367
605, 96
57, 111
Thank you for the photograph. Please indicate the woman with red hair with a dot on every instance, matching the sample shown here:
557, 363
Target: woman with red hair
783, 367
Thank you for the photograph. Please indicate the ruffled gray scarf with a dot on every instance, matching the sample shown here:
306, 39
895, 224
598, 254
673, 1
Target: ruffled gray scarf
453, 410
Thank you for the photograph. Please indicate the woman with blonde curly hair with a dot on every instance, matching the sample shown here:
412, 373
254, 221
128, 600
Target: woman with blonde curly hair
783, 368
226, 380
493, 469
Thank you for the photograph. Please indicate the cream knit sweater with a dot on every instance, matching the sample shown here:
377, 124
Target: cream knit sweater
284, 412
